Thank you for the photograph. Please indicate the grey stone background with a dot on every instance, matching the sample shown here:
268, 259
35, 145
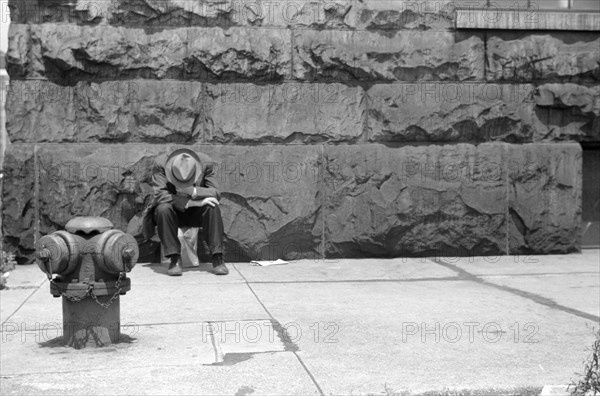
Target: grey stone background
340, 128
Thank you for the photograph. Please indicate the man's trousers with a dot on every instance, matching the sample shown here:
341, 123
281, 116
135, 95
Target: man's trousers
169, 220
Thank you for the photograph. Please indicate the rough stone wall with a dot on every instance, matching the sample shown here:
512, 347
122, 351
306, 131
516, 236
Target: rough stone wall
339, 128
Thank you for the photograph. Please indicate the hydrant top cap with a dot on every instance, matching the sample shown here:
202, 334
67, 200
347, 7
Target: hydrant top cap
87, 225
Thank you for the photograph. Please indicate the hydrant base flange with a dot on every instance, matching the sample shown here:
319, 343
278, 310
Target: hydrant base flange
88, 324
79, 290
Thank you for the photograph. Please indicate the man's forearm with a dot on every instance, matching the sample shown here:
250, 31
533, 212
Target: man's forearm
210, 201
194, 195
205, 192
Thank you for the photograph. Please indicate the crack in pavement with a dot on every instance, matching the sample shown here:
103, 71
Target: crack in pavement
24, 301
289, 346
465, 275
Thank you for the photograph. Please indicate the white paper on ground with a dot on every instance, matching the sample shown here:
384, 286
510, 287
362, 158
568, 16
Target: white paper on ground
268, 263
555, 390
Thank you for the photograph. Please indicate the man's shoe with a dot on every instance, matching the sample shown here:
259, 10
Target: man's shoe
175, 268
219, 267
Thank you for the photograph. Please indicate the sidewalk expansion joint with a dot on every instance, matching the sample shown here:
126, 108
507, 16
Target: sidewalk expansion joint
190, 322
21, 287
428, 279
544, 274
24, 301
88, 370
465, 275
283, 335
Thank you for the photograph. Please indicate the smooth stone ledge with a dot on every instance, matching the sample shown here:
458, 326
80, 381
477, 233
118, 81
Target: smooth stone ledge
493, 18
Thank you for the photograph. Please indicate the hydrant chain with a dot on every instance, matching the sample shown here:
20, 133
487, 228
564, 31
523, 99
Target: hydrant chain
114, 296
73, 298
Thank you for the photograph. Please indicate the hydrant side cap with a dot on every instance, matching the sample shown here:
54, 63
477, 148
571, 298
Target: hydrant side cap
88, 225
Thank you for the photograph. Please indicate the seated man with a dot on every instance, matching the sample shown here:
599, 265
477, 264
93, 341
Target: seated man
186, 195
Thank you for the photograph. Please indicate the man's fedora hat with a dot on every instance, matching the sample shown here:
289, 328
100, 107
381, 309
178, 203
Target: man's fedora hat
183, 168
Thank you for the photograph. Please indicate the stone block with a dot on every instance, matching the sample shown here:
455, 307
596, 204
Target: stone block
387, 56
450, 112
18, 202
41, 111
544, 198
113, 111
552, 57
567, 112
67, 54
405, 14
140, 111
284, 113
415, 201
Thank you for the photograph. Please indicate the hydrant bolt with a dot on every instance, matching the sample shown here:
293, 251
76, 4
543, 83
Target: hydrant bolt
128, 253
43, 254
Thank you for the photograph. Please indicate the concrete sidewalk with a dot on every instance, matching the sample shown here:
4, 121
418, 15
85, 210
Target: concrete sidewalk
356, 327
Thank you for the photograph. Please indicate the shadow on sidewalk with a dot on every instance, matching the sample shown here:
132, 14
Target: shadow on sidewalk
59, 342
161, 268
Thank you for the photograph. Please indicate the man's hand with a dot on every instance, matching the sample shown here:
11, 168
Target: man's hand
212, 201
206, 201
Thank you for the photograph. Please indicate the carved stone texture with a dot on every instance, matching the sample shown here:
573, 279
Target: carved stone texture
405, 14
239, 53
41, 111
277, 200
91, 180
568, 112
387, 56
270, 196
17, 59
18, 202
53, 11
426, 200
113, 111
556, 57
545, 198
272, 200
140, 110
180, 13
450, 112
316, 14
67, 54
353, 14
284, 113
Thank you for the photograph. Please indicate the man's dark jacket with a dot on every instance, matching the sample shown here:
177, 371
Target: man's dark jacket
165, 192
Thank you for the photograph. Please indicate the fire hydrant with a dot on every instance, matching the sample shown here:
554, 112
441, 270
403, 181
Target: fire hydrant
90, 261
